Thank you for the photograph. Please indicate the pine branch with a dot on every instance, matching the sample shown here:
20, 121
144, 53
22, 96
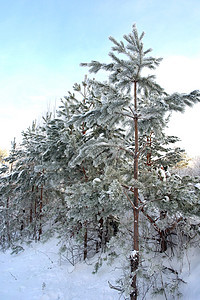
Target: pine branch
177, 102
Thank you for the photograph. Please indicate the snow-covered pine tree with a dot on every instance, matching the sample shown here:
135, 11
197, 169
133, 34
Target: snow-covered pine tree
26, 187
138, 104
87, 194
7, 220
20, 188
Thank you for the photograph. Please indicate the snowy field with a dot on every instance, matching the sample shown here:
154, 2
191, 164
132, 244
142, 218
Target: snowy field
38, 273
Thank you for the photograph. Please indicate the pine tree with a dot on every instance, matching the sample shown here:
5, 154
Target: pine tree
87, 193
147, 109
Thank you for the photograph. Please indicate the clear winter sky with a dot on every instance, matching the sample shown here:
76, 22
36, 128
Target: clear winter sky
42, 43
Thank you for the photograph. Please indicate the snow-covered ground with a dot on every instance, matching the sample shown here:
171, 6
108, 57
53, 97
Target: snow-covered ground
38, 273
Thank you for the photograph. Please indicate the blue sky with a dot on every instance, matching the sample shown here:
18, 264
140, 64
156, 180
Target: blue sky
42, 43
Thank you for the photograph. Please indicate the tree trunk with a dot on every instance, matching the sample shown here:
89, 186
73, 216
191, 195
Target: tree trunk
35, 219
31, 215
31, 208
149, 163
40, 214
134, 259
85, 242
7, 220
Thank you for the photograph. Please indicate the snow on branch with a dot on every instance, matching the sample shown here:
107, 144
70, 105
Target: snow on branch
177, 102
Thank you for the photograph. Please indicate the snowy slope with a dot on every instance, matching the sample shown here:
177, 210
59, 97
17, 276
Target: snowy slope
38, 274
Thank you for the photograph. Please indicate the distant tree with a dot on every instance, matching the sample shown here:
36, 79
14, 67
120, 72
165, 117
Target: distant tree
3, 154
195, 165
184, 162
191, 169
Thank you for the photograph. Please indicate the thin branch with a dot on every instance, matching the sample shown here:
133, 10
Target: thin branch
125, 115
142, 149
130, 188
115, 287
126, 150
129, 200
116, 146
152, 221
133, 112
149, 201
13, 276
